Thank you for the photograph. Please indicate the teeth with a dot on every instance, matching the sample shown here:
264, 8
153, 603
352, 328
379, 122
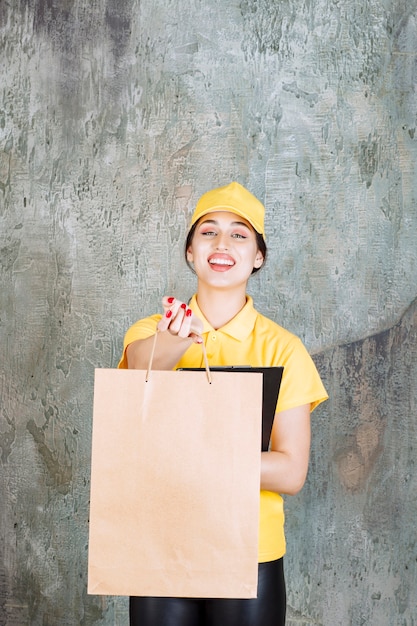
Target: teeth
220, 262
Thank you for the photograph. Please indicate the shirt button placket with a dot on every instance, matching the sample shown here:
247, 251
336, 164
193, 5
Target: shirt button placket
214, 345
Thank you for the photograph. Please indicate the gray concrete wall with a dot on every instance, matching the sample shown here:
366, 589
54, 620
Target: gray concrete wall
114, 117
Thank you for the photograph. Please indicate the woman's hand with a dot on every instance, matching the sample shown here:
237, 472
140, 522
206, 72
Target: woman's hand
183, 328
179, 320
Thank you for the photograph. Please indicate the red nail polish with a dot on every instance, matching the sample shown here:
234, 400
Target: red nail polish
171, 300
183, 305
168, 313
188, 313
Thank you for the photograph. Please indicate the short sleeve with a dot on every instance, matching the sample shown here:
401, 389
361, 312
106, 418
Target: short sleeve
301, 382
140, 330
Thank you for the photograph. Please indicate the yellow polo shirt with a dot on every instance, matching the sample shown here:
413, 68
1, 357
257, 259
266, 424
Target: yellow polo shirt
252, 339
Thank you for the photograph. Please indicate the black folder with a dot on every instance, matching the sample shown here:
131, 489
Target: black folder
271, 382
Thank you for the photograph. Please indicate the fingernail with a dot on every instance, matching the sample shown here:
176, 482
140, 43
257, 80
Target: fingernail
168, 313
171, 300
188, 313
183, 305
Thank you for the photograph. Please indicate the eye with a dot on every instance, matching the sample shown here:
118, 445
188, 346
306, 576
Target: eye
239, 236
207, 233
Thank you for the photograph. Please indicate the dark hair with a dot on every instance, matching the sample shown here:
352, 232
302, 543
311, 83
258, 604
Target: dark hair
259, 240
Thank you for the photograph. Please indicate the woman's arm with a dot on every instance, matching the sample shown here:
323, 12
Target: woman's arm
284, 467
168, 351
177, 330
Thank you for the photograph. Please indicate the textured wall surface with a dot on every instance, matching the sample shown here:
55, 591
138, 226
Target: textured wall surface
115, 115
352, 549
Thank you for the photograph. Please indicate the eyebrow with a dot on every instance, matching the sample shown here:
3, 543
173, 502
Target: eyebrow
237, 223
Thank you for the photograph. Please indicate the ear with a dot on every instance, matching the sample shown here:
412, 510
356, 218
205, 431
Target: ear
189, 255
259, 259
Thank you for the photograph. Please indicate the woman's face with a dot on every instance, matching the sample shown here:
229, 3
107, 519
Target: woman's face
224, 250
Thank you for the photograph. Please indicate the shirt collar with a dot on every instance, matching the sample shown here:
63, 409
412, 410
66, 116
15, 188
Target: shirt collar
239, 327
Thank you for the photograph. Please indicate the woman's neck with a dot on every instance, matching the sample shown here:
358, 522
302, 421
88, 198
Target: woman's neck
219, 306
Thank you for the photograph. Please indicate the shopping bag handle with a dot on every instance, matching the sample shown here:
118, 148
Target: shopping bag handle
206, 364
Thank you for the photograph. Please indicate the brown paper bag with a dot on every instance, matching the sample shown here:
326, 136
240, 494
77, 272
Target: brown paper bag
175, 484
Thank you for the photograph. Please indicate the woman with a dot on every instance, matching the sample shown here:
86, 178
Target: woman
226, 245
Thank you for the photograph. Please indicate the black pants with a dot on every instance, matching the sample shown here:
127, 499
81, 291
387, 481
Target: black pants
268, 609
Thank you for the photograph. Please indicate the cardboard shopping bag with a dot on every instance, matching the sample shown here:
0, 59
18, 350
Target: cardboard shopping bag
175, 484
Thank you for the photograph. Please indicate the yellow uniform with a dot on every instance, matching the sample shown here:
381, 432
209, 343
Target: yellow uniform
252, 339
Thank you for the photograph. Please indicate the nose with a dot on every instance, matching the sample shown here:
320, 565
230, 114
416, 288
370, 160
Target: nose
221, 242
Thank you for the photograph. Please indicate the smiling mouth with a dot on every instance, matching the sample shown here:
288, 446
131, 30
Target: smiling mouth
226, 262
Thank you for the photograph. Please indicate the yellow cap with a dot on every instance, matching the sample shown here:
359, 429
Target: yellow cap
236, 199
